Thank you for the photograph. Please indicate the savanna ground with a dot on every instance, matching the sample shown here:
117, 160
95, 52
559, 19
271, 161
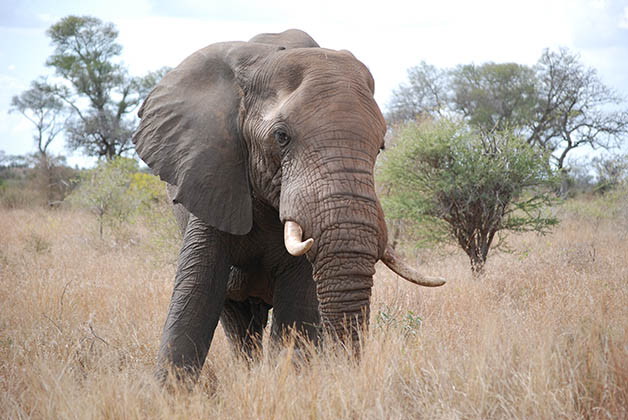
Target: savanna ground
543, 335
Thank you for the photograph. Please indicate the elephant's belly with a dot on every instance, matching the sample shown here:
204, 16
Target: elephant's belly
245, 283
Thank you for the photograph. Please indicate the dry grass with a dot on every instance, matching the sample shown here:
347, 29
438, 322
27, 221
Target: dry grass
543, 335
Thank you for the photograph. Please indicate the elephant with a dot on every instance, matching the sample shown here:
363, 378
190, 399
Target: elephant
264, 143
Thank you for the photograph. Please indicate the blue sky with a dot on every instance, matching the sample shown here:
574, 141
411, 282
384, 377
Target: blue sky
389, 36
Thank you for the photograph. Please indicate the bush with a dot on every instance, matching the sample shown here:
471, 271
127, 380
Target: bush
34, 181
596, 208
115, 191
454, 184
18, 193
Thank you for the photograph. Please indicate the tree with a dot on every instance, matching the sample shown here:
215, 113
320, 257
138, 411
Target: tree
610, 172
425, 95
41, 107
494, 96
557, 105
98, 89
573, 108
455, 184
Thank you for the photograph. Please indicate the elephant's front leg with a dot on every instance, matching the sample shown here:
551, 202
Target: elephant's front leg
197, 300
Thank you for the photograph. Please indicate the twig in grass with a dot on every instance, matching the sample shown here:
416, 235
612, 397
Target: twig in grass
91, 328
53, 323
62, 295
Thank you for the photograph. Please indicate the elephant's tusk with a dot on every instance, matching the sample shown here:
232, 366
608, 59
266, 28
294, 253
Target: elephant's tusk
292, 237
395, 264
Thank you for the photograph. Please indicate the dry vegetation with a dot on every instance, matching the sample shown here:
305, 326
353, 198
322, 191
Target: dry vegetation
543, 335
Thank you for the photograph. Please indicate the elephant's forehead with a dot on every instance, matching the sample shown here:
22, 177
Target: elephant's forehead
290, 70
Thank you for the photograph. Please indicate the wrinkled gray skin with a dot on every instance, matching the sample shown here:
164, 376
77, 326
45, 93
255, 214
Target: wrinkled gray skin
251, 135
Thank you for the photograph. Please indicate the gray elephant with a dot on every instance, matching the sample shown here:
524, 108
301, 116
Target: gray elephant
262, 142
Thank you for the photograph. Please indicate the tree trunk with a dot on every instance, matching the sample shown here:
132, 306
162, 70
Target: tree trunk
48, 176
477, 256
477, 266
100, 223
396, 233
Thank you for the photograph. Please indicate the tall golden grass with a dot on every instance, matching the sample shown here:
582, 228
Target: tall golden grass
543, 335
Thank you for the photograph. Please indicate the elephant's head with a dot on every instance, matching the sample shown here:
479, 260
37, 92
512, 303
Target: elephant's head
280, 120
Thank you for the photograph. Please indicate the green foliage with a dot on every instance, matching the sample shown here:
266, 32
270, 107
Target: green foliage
409, 324
100, 93
149, 187
85, 46
115, 191
495, 96
557, 105
455, 184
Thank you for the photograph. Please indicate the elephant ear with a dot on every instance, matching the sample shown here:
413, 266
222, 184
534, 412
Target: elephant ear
189, 134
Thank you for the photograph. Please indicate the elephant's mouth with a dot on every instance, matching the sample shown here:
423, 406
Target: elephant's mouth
293, 239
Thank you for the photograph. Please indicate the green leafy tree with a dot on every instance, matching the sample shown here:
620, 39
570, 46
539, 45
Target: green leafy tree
494, 96
97, 88
454, 184
558, 105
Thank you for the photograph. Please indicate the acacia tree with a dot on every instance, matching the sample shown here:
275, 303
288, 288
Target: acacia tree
557, 105
41, 107
97, 88
454, 184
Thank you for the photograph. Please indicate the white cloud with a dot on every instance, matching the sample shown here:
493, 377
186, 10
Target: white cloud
623, 22
10, 84
46, 18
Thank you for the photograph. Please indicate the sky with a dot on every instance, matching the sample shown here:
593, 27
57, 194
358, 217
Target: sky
389, 36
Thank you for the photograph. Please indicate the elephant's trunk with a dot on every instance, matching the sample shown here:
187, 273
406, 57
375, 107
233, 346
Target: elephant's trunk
343, 261
344, 292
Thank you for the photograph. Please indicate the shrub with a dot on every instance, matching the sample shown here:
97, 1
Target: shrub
115, 191
17, 194
451, 183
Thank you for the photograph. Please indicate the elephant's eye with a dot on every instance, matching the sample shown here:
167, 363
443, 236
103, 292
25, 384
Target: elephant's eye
282, 137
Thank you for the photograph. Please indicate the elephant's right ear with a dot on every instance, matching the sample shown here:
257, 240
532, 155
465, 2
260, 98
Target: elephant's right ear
189, 134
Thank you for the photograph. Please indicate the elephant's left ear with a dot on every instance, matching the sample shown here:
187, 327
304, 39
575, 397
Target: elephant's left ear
189, 134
